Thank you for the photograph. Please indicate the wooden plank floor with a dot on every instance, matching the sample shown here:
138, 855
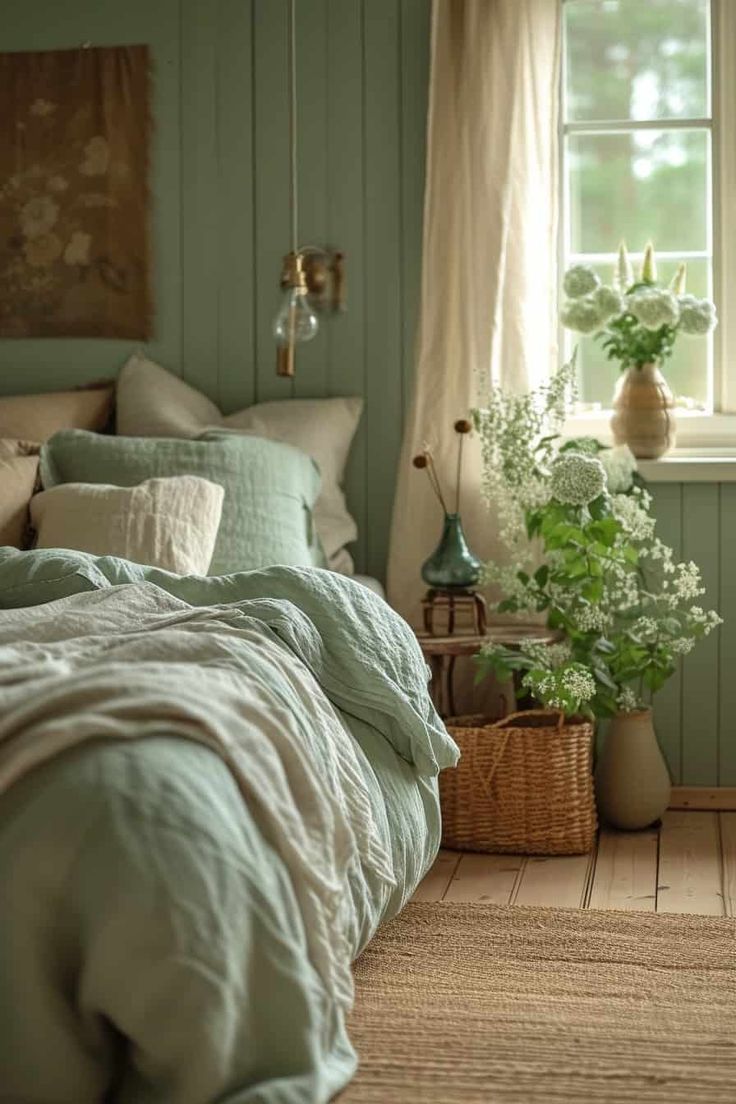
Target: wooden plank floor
686, 865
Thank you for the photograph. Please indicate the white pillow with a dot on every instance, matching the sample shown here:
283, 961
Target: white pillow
152, 402
170, 523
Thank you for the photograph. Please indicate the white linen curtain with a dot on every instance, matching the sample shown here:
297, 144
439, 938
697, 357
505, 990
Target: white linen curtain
488, 295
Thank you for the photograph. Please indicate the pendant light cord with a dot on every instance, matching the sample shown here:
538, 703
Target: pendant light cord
293, 198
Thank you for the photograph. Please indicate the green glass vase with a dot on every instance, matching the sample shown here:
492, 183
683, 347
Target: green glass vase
452, 566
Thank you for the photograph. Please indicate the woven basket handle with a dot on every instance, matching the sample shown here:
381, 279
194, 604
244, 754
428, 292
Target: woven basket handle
552, 716
486, 779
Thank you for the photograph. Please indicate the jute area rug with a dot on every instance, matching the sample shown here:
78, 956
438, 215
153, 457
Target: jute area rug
459, 1004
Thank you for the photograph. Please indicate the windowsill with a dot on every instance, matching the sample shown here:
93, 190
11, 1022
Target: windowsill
691, 466
705, 452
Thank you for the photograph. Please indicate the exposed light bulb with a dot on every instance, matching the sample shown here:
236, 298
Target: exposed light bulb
295, 321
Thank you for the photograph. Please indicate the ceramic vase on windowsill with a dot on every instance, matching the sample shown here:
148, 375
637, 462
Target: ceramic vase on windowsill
632, 783
643, 412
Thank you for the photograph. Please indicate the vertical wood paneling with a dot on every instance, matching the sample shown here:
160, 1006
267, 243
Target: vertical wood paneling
200, 271
382, 224
345, 216
415, 33
668, 702
700, 708
727, 638
236, 380
311, 43
271, 185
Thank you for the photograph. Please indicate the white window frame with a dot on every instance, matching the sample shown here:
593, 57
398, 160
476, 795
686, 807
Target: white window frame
705, 433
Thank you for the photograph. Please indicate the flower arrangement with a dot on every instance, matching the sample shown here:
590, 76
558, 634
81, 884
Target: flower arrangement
636, 320
576, 524
425, 460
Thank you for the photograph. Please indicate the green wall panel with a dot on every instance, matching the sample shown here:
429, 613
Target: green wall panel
727, 637
668, 702
220, 213
700, 681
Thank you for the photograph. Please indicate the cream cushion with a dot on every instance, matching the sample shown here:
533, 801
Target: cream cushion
152, 402
38, 417
170, 523
18, 469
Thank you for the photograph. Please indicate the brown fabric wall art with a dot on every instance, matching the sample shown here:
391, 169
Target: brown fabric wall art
74, 153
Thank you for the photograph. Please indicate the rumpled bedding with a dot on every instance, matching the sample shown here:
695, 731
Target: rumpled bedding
212, 792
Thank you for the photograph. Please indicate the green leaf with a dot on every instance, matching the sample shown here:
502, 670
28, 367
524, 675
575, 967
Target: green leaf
541, 575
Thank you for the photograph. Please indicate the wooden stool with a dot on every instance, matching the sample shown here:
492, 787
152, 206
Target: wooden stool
451, 606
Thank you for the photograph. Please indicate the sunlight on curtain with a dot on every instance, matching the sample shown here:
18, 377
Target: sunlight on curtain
488, 296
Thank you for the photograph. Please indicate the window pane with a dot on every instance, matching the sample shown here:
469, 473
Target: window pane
639, 186
687, 372
636, 59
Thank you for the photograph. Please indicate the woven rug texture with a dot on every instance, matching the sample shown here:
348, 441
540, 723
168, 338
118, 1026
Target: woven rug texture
458, 1004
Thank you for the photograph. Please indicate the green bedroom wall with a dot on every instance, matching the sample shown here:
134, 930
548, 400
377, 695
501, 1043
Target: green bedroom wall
220, 191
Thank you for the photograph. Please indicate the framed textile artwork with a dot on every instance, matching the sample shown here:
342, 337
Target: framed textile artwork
74, 162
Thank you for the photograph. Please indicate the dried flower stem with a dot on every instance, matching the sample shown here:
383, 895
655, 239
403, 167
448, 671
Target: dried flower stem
435, 481
459, 472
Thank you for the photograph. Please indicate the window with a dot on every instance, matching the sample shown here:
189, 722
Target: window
638, 149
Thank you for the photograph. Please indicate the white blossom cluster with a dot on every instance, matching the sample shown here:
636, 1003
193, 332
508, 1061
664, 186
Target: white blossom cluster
576, 479
653, 307
590, 619
619, 464
634, 519
660, 553
645, 628
707, 619
697, 316
627, 701
573, 682
547, 656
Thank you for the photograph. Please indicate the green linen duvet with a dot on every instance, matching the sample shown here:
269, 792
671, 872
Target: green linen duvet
212, 791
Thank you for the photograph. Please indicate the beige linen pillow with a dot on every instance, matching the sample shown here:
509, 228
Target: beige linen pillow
170, 523
18, 470
151, 402
38, 417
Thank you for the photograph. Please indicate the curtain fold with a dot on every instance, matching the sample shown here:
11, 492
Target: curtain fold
488, 291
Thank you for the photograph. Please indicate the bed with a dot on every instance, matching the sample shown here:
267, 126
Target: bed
212, 792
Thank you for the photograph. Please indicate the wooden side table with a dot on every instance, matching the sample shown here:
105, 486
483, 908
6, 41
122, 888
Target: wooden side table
442, 653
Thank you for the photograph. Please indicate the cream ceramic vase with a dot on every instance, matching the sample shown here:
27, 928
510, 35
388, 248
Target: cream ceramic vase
643, 412
632, 783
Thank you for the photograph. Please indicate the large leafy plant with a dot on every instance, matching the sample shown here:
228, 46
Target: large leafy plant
581, 552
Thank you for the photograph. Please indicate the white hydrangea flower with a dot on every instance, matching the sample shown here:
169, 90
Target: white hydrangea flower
635, 521
627, 700
580, 280
608, 301
576, 479
582, 315
619, 465
682, 646
697, 316
653, 307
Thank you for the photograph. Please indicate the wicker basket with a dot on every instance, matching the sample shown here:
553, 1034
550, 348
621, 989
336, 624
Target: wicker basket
524, 784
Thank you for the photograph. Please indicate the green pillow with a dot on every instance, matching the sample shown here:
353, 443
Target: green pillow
270, 488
